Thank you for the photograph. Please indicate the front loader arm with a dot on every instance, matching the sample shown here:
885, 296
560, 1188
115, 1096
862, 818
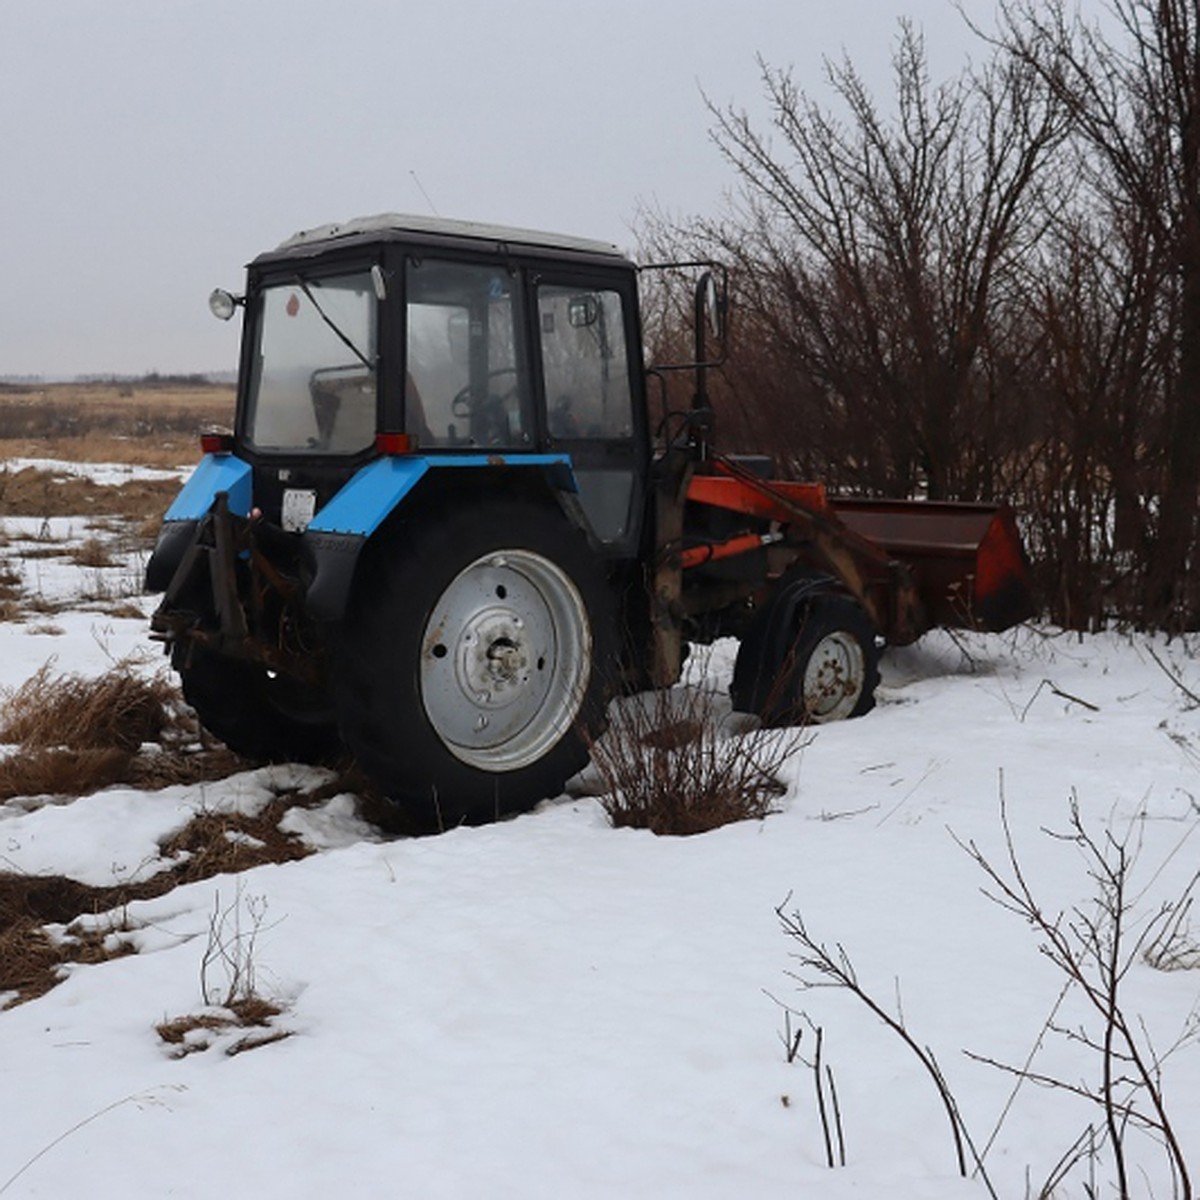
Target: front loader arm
810, 530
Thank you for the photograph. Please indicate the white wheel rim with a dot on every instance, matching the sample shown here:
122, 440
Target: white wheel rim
506, 656
834, 677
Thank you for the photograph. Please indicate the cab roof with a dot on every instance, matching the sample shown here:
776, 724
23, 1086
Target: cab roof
443, 231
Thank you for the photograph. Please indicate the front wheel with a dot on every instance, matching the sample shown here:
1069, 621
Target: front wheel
474, 661
813, 656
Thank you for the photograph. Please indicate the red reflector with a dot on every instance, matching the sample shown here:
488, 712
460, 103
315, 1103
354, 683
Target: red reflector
216, 443
395, 443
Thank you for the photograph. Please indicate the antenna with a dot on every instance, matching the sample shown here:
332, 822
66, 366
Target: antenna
421, 186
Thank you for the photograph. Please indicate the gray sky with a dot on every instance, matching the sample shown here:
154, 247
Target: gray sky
149, 148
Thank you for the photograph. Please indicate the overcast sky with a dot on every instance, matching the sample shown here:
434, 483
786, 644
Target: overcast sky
149, 148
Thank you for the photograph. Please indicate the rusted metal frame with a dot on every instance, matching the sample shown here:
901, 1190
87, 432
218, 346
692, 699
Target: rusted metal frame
672, 474
231, 617
223, 541
882, 585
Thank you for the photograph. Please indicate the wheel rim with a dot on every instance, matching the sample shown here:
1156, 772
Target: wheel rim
505, 660
834, 677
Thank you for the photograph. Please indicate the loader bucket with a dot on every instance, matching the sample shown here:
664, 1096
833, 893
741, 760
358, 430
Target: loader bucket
966, 559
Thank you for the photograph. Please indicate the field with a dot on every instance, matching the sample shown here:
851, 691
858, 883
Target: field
152, 425
217, 979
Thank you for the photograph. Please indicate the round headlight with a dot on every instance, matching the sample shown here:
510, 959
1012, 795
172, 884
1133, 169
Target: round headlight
222, 304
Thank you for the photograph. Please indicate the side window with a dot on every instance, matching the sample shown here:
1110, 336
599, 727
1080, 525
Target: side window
584, 363
466, 383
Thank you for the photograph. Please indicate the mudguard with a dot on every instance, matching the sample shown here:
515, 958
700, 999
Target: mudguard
213, 474
337, 534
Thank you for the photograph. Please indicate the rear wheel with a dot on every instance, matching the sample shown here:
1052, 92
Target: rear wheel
811, 656
474, 661
260, 715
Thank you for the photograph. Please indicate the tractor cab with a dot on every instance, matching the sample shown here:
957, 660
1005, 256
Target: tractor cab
446, 340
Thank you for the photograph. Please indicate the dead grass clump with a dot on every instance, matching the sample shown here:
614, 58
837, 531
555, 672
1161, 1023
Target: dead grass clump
93, 552
668, 766
197, 1031
120, 710
220, 843
61, 771
78, 735
31, 961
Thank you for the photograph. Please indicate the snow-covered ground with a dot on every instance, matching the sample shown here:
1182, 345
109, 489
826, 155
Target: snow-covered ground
552, 1008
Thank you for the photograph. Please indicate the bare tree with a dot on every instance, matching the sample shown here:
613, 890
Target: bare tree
1134, 104
870, 249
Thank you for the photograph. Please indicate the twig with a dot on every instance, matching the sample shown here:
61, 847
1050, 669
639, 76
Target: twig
1187, 691
147, 1097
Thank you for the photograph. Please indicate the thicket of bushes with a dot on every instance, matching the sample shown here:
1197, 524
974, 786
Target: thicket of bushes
984, 289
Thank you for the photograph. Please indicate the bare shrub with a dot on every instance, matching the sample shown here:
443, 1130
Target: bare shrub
1094, 947
228, 984
819, 965
668, 765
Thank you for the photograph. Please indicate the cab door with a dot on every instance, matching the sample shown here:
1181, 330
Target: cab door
594, 406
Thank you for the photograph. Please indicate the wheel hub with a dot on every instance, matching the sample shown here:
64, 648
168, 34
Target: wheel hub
834, 677
505, 660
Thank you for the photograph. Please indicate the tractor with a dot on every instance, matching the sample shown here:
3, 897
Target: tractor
444, 530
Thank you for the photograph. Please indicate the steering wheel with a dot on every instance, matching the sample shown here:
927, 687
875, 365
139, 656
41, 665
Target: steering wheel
460, 406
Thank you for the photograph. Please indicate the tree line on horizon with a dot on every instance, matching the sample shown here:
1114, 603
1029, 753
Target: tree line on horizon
986, 288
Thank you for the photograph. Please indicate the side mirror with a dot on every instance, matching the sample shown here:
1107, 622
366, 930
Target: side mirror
713, 301
582, 311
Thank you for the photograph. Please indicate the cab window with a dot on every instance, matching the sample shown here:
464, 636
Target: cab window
584, 364
466, 384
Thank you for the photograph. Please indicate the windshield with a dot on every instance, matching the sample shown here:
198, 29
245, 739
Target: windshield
313, 382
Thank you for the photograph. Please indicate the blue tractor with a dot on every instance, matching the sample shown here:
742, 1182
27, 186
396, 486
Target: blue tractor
442, 533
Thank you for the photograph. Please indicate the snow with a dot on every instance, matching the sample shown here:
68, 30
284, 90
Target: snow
549, 1007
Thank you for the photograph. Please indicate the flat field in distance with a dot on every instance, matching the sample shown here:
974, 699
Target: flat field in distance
145, 423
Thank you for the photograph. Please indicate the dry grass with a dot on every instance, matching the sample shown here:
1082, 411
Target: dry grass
669, 766
119, 710
77, 735
147, 424
36, 492
31, 961
194, 1032
211, 844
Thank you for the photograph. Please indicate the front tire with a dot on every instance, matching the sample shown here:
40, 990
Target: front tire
808, 660
474, 661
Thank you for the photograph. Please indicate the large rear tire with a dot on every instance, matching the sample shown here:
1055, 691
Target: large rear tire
261, 716
474, 660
